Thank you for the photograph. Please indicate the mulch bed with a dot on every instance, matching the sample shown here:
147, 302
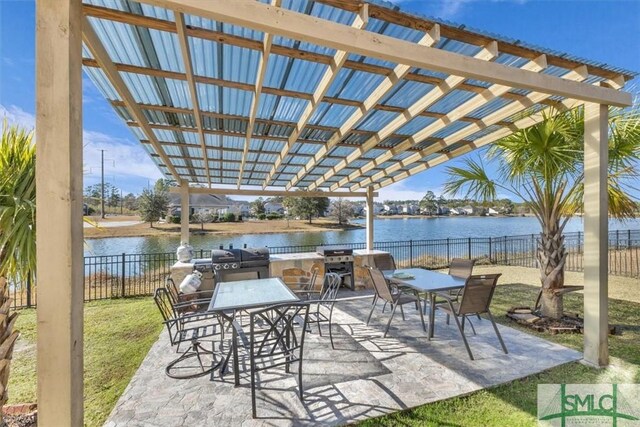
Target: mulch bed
570, 323
21, 415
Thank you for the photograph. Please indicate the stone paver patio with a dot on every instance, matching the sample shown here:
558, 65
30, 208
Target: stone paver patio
366, 376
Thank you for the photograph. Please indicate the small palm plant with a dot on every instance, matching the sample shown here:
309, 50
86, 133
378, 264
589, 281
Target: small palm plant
543, 166
17, 232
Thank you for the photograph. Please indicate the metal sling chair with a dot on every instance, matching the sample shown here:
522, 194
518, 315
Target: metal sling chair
192, 328
475, 300
276, 338
383, 292
326, 301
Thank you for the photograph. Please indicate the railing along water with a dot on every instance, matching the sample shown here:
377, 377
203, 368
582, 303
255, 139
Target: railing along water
126, 275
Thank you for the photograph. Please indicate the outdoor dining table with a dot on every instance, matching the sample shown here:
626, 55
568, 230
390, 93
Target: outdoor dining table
231, 297
426, 281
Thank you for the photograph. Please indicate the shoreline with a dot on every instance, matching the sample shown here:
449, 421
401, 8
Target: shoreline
218, 229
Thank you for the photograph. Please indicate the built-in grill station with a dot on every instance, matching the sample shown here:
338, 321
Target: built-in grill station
226, 265
339, 259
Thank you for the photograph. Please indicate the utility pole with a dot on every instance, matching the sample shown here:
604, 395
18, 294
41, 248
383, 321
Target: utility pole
102, 185
121, 201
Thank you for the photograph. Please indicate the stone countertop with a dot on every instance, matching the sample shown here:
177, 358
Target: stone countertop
364, 252
295, 257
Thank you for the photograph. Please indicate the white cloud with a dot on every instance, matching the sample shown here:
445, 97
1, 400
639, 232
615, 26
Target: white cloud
17, 116
400, 191
449, 9
126, 158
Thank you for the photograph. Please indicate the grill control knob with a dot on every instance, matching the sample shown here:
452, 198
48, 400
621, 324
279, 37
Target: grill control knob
217, 266
226, 266
234, 265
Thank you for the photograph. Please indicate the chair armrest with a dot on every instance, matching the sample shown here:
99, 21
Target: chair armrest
241, 334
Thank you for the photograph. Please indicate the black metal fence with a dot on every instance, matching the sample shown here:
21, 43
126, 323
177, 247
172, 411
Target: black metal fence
116, 276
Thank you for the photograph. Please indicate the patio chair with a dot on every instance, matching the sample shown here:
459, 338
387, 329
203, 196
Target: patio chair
384, 262
305, 281
475, 300
182, 328
198, 302
321, 310
383, 292
276, 338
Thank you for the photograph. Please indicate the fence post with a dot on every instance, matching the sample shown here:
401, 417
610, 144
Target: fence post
411, 253
629, 239
469, 247
29, 290
123, 274
506, 252
617, 240
490, 250
448, 252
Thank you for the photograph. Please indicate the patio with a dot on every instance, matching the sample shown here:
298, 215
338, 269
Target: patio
365, 376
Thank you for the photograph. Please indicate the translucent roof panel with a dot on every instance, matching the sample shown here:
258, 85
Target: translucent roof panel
310, 111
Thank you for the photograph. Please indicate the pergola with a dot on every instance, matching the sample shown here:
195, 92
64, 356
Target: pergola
334, 97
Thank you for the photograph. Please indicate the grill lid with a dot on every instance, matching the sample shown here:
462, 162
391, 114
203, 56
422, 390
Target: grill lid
334, 251
225, 255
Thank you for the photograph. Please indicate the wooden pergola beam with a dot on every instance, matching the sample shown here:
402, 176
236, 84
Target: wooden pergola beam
330, 74
491, 119
271, 193
480, 142
98, 51
257, 91
384, 88
193, 91
487, 53
298, 26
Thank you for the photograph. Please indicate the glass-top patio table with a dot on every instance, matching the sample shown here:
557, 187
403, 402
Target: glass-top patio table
231, 297
426, 281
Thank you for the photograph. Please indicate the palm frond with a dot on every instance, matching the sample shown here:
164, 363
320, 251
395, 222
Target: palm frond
472, 180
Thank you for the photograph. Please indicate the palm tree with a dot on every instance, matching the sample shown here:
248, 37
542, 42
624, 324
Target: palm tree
543, 165
17, 232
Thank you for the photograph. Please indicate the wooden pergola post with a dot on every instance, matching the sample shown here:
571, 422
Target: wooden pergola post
596, 235
59, 236
370, 215
184, 211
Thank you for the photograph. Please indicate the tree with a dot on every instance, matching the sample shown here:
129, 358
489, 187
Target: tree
429, 203
543, 165
17, 233
114, 197
164, 184
342, 210
130, 202
202, 217
306, 207
154, 204
257, 206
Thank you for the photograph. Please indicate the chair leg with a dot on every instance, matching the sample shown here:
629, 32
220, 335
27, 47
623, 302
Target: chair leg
393, 311
495, 328
464, 318
424, 327
331, 326
253, 388
473, 329
402, 312
384, 306
236, 363
464, 338
447, 321
300, 388
373, 307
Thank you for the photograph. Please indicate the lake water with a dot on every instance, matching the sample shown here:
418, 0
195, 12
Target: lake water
385, 230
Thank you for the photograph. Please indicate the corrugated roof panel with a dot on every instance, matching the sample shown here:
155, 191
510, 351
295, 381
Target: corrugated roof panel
511, 60
304, 76
167, 50
137, 132
123, 113
103, 84
376, 120
334, 115
406, 94
416, 124
190, 137
450, 129
235, 30
142, 88
233, 142
490, 107
165, 135
120, 41
451, 101
224, 61
483, 132
212, 140
281, 108
275, 75
271, 145
194, 152
355, 85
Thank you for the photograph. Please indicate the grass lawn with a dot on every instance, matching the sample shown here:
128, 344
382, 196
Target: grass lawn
118, 334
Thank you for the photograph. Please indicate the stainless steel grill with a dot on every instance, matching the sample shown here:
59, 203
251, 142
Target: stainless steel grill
240, 264
339, 260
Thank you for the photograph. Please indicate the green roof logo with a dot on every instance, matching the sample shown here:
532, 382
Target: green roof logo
568, 405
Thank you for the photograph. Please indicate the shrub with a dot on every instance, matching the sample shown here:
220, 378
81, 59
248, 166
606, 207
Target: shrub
229, 217
274, 215
262, 216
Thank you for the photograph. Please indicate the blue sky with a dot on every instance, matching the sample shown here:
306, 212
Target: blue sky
601, 30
